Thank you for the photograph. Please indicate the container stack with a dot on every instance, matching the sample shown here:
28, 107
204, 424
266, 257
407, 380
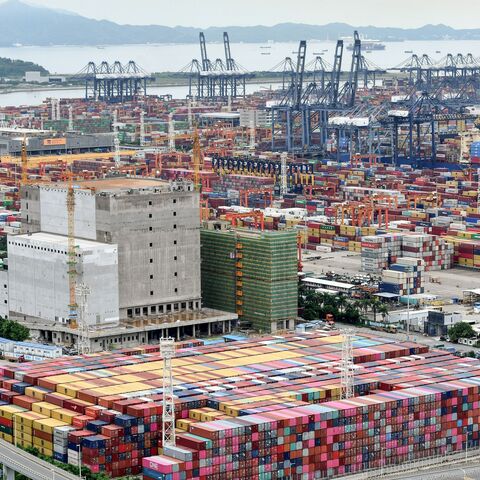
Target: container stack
475, 152
265, 407
404, 277
434, 251
380, 251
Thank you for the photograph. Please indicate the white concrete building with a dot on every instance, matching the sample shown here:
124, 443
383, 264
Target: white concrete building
38, 278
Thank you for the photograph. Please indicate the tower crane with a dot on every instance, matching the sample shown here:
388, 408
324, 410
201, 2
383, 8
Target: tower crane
24, 177
72, 254
197, 160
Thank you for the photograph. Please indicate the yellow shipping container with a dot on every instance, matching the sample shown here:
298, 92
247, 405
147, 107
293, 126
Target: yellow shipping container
44, 408
64, 415
48, 424
8, 411
36, 393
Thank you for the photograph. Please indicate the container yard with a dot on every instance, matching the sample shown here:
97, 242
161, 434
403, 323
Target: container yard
243, 283
269, 407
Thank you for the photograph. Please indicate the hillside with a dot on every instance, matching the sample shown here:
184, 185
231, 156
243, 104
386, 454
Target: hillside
32, 25
16, 68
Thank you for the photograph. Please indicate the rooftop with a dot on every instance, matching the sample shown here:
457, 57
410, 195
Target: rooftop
116, 184
57, 240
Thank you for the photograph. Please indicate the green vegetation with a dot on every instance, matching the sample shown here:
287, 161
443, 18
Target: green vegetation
460, 330
316, 306
16, 68
13, 330
86, 473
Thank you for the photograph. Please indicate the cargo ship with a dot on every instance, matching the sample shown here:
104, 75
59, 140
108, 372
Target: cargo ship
368, 45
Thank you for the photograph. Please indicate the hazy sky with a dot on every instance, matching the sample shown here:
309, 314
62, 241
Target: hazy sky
204, 13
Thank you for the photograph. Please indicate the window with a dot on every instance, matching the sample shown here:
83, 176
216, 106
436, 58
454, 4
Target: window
149, 215
176, 290
151, 260
150, 228
174, 242
174, 200
151, 277
174, 214
150, 203
151, 293
130, 313
175, 226
175, 257
175, 274
151, 245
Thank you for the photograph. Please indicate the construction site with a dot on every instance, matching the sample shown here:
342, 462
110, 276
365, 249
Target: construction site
144, 232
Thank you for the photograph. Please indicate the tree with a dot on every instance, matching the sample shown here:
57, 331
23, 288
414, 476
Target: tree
12, 330
460, 330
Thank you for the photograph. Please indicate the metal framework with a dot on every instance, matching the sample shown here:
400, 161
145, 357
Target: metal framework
82, 292
300, 119
167, 351
72, 254
218, 80
115, 82
347, 365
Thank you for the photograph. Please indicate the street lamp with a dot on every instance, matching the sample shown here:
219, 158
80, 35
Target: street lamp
79, 448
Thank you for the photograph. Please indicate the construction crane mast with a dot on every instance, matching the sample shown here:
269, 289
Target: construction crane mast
72, 254
24, 177
167, 351
197, 160
347, 365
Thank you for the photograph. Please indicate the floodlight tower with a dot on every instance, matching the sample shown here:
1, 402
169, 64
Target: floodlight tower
167, 351
347, 366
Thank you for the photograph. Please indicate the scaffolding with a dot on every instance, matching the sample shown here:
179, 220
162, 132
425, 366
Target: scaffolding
253, 274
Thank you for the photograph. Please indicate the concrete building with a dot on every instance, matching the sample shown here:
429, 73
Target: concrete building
37, 77
43, 142
153, 228
258, 118
38, 278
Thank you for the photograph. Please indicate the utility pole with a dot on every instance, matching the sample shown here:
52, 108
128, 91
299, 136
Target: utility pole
347, 366
70, 118
283, 173
167, 351
116, 140
142, 128
82, 292
171, 133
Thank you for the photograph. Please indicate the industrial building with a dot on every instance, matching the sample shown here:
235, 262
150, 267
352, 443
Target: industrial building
38, 278
138, 251
251, 273
44, 142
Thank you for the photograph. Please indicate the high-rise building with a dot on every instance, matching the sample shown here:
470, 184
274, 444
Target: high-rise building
251, 273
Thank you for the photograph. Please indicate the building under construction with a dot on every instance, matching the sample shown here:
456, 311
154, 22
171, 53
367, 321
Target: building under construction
251, 273
136, 246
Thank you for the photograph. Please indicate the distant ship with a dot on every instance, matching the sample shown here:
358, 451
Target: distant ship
368, 45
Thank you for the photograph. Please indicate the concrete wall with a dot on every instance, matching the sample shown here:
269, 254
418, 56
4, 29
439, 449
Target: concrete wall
4, 293
158, 241
54, 216
38, 278
157, 232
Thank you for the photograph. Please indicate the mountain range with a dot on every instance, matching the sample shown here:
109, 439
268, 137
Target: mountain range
33, 25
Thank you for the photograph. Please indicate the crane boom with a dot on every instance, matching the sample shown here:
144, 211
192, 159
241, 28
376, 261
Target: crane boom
72, 254
203, 51
302, 50
228, 53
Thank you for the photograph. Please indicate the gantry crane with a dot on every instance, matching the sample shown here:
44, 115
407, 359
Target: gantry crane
72, 254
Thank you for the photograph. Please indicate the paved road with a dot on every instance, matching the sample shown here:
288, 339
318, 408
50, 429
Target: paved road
30, 466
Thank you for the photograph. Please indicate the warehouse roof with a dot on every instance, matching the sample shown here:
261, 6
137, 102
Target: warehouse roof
114, 184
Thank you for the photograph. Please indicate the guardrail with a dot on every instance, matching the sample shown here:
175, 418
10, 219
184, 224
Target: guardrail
15, 459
